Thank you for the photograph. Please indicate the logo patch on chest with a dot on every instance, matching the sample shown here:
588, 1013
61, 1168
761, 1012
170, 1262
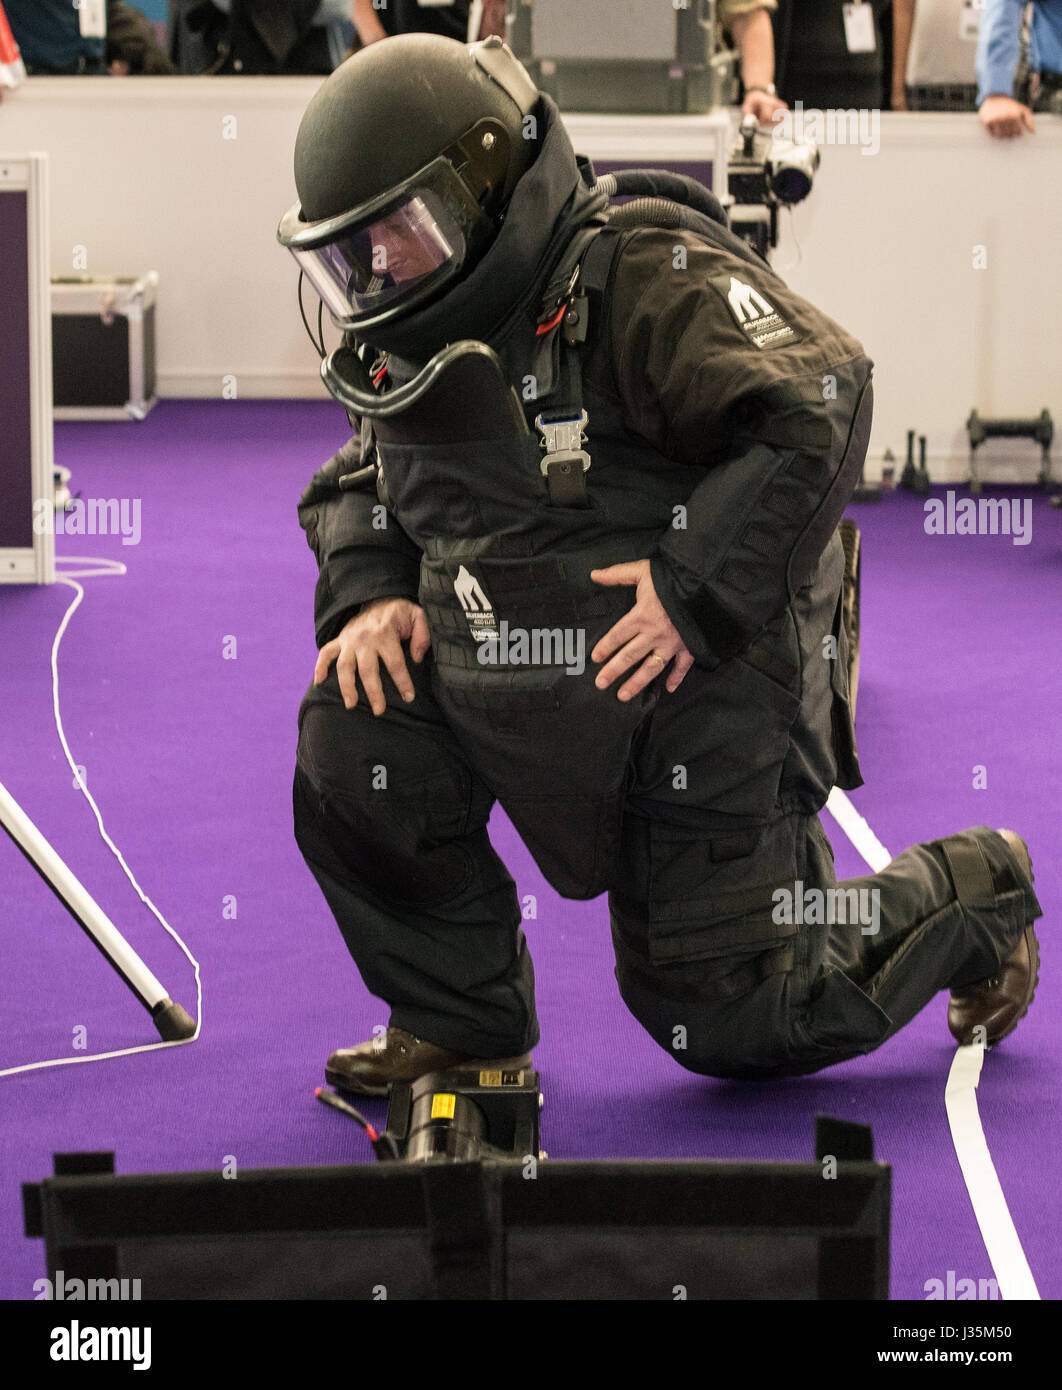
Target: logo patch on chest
754, 313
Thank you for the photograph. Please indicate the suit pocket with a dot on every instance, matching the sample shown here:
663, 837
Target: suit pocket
715, 896
747, 732
843, 1016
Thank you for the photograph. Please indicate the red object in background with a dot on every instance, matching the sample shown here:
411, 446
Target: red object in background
493, 21
11, 70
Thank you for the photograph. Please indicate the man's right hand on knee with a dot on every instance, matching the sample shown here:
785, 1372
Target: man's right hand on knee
374, 635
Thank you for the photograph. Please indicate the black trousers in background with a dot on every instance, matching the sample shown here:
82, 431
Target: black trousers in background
391, 819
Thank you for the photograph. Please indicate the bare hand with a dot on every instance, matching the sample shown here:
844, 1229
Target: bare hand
369, 28
376, 635
763, 106
1004, 117
645, 634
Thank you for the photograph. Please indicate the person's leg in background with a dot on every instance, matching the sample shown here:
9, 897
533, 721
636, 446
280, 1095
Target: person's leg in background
192, 29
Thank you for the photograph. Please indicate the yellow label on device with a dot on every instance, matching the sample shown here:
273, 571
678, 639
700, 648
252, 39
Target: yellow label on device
442, 1106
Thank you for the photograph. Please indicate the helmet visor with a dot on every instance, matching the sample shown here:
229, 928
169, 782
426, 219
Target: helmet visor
391, 252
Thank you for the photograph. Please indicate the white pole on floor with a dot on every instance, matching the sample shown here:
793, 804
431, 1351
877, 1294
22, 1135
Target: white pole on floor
171, 1020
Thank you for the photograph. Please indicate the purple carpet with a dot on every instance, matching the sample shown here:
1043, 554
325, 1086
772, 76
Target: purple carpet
189, 754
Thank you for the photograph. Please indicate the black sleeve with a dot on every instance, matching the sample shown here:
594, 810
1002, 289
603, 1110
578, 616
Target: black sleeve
757, 525
721, 366
362, 552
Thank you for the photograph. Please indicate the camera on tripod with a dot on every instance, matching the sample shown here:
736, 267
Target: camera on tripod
765, 172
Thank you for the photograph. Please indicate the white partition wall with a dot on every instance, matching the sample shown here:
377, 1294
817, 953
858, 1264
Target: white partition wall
27, 550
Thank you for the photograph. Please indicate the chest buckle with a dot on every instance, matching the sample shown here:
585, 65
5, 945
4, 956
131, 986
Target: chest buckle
561, 440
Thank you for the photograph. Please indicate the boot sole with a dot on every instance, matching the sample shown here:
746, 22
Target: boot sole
1034, 961
345, 1083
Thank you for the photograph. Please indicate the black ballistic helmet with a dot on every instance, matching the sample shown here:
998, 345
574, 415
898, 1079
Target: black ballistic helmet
405, 160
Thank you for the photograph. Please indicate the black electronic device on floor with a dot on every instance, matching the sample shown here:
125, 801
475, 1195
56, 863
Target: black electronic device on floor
456, 1116
464, 1115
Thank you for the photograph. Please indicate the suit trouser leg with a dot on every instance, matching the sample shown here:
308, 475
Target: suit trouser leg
392, 821
942, 914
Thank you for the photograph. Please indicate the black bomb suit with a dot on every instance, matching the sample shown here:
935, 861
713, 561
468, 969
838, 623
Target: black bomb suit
727, 424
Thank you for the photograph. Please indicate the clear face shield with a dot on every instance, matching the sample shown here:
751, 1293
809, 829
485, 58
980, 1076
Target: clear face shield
391, 254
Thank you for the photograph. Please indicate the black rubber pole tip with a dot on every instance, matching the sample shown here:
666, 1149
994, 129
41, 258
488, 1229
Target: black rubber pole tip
172, 1021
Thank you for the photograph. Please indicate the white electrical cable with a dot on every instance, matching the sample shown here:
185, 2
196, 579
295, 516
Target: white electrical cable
103, 567
1013, 1275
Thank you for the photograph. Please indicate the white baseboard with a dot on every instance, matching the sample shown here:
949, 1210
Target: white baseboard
258, 385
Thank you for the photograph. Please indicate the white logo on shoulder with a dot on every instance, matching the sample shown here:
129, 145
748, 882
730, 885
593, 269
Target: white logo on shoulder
753, 313
745, 302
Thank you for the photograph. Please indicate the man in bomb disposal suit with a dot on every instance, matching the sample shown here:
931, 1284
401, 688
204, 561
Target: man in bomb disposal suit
595, 576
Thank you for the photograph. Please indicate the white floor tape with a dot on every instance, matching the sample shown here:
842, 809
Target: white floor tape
1009, 1264
1013, 1275
857, 830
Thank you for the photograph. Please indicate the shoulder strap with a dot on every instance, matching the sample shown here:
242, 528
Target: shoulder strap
595, 267
587, 307
565, 462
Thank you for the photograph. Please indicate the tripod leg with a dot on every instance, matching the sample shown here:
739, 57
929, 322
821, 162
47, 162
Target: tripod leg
171, 1020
